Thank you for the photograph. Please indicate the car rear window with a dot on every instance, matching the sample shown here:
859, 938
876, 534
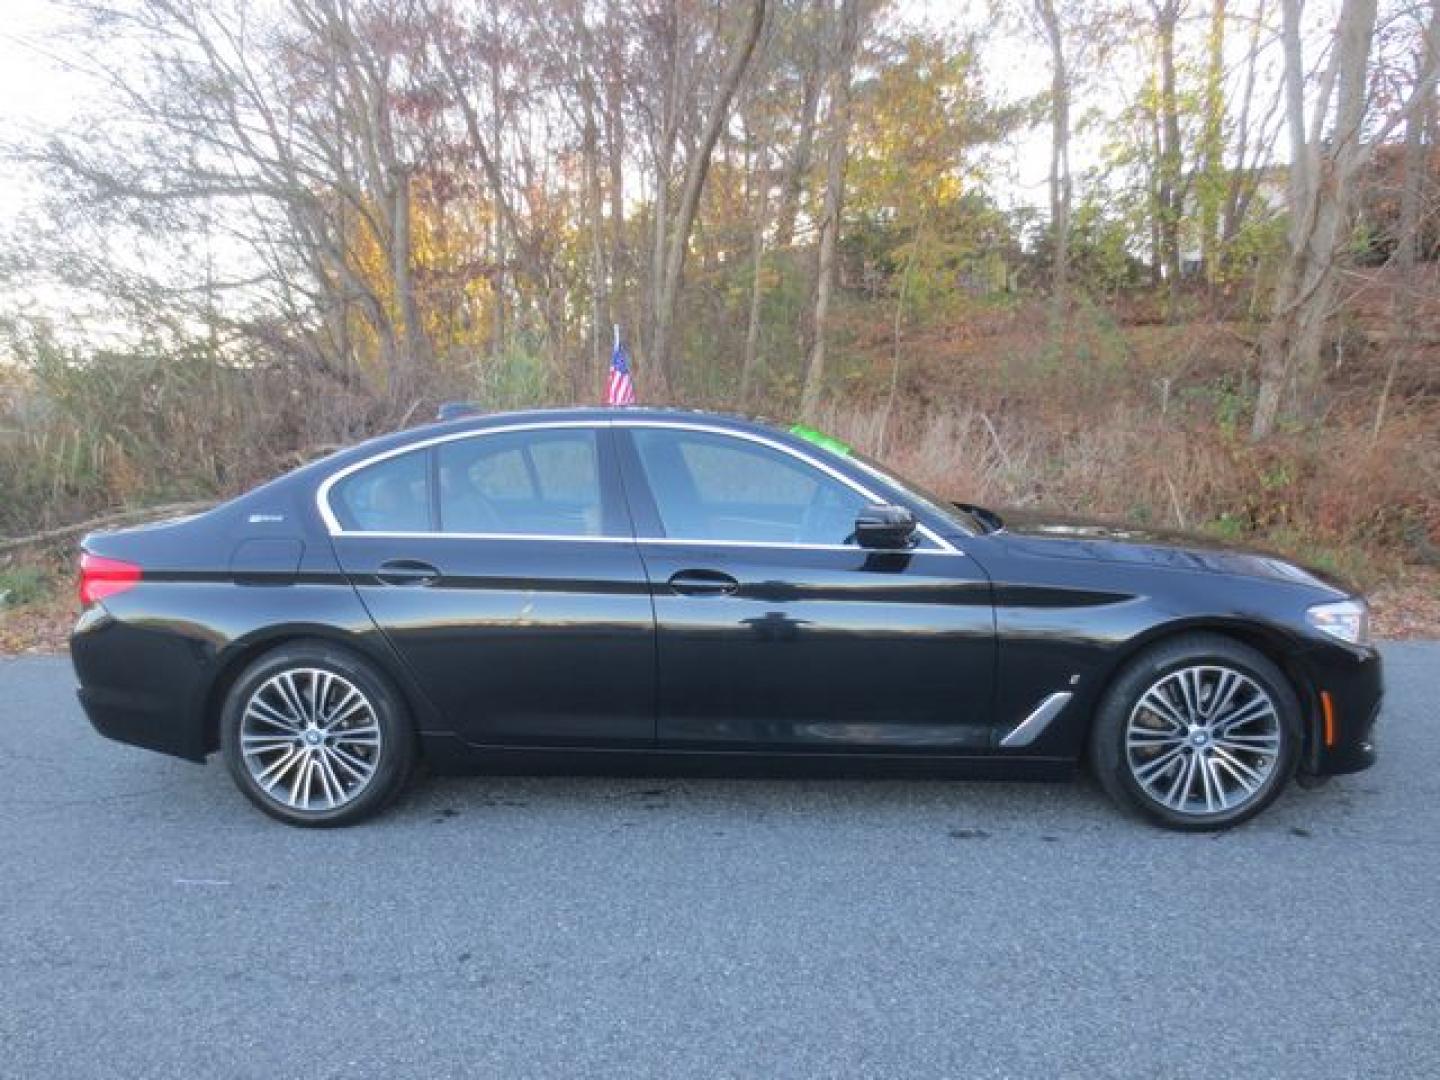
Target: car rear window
390, 496
541, 483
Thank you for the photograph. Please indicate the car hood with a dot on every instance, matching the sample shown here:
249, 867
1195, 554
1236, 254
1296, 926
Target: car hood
1057, 537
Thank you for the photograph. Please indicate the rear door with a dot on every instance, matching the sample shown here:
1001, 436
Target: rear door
774, 630
502, 566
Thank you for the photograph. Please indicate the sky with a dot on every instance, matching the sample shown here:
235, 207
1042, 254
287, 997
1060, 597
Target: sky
37, 93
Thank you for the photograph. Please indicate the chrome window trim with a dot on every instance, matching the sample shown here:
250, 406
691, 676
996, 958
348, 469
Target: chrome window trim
322, 493
577, 538
813, 462
332, 524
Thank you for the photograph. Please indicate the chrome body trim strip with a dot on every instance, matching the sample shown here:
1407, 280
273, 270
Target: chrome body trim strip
577, 538
855, 548
1034, 725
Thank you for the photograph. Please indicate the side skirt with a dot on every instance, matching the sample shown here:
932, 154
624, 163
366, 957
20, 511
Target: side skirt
449, 754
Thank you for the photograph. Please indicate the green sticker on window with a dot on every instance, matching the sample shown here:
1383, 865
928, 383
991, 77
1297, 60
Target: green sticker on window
819, 438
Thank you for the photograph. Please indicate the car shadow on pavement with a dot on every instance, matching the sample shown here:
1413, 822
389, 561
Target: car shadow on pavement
965, 809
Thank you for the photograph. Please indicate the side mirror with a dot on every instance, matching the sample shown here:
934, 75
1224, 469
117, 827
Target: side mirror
885, 527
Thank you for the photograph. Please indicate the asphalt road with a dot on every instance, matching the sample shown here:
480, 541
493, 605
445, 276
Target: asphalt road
153, 924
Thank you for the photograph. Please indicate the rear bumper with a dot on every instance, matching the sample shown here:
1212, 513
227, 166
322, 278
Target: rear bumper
137, 685
1354, 680
139, 724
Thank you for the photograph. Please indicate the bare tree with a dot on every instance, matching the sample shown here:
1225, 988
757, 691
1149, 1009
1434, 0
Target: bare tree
1322, 180
812, 75
1211, 151
751, 362
1406, 297
1170, 186
697, 168
1253, 138
302, 162
1408, 240
838, 131
1061, 188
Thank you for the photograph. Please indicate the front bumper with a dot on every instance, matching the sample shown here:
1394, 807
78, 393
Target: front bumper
1353, 680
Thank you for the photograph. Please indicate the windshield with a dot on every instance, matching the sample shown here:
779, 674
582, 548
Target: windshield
972, 519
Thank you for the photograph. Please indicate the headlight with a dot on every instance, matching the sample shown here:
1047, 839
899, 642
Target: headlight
1348, 620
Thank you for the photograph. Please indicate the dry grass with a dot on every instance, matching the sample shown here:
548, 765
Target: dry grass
1147, 424
1362, 500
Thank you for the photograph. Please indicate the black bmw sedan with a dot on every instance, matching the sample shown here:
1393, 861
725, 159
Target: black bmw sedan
670, 588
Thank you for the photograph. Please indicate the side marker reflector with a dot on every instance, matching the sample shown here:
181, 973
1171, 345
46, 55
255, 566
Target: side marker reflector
1327, 708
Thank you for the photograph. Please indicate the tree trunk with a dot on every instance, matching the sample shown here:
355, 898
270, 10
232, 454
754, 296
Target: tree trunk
799, 166
615, 146
757, 282
1157, 243
1408, 243
1292, 344
1212, 145
600, 294
1171, 164
896, 328
660, 213
836, 155
498, 254
1060, 183
695, 172
1240, 185
414, 354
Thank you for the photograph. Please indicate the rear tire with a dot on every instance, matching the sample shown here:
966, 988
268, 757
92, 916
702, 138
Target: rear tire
316, 736
1197, 733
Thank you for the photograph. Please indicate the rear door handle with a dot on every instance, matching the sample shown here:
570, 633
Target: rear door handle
703, 583
407, 572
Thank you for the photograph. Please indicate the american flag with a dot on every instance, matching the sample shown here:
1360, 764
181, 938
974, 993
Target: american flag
620, 387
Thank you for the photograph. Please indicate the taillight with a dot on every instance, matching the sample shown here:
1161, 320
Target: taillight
101, 577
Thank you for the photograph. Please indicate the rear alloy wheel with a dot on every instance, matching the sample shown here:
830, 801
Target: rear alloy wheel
314, 737
1200, 733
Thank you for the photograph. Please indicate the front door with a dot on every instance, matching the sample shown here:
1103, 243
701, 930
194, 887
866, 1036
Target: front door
775, 630
502, 568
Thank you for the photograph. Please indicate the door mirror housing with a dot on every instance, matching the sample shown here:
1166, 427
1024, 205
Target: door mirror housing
885, 527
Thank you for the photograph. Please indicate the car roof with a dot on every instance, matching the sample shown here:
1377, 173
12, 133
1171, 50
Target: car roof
315, 471
596, 414
585, 414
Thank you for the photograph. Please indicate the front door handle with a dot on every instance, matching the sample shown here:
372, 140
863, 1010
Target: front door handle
407, 572
703, 583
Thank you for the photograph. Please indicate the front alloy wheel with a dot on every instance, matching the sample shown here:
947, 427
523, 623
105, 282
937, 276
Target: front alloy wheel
1199, 732
1203, 740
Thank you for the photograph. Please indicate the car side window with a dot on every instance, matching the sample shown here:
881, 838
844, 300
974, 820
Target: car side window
709, 486
390, 496
541, 483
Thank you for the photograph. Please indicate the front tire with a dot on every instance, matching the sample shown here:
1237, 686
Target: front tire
315, 736
1197, 733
